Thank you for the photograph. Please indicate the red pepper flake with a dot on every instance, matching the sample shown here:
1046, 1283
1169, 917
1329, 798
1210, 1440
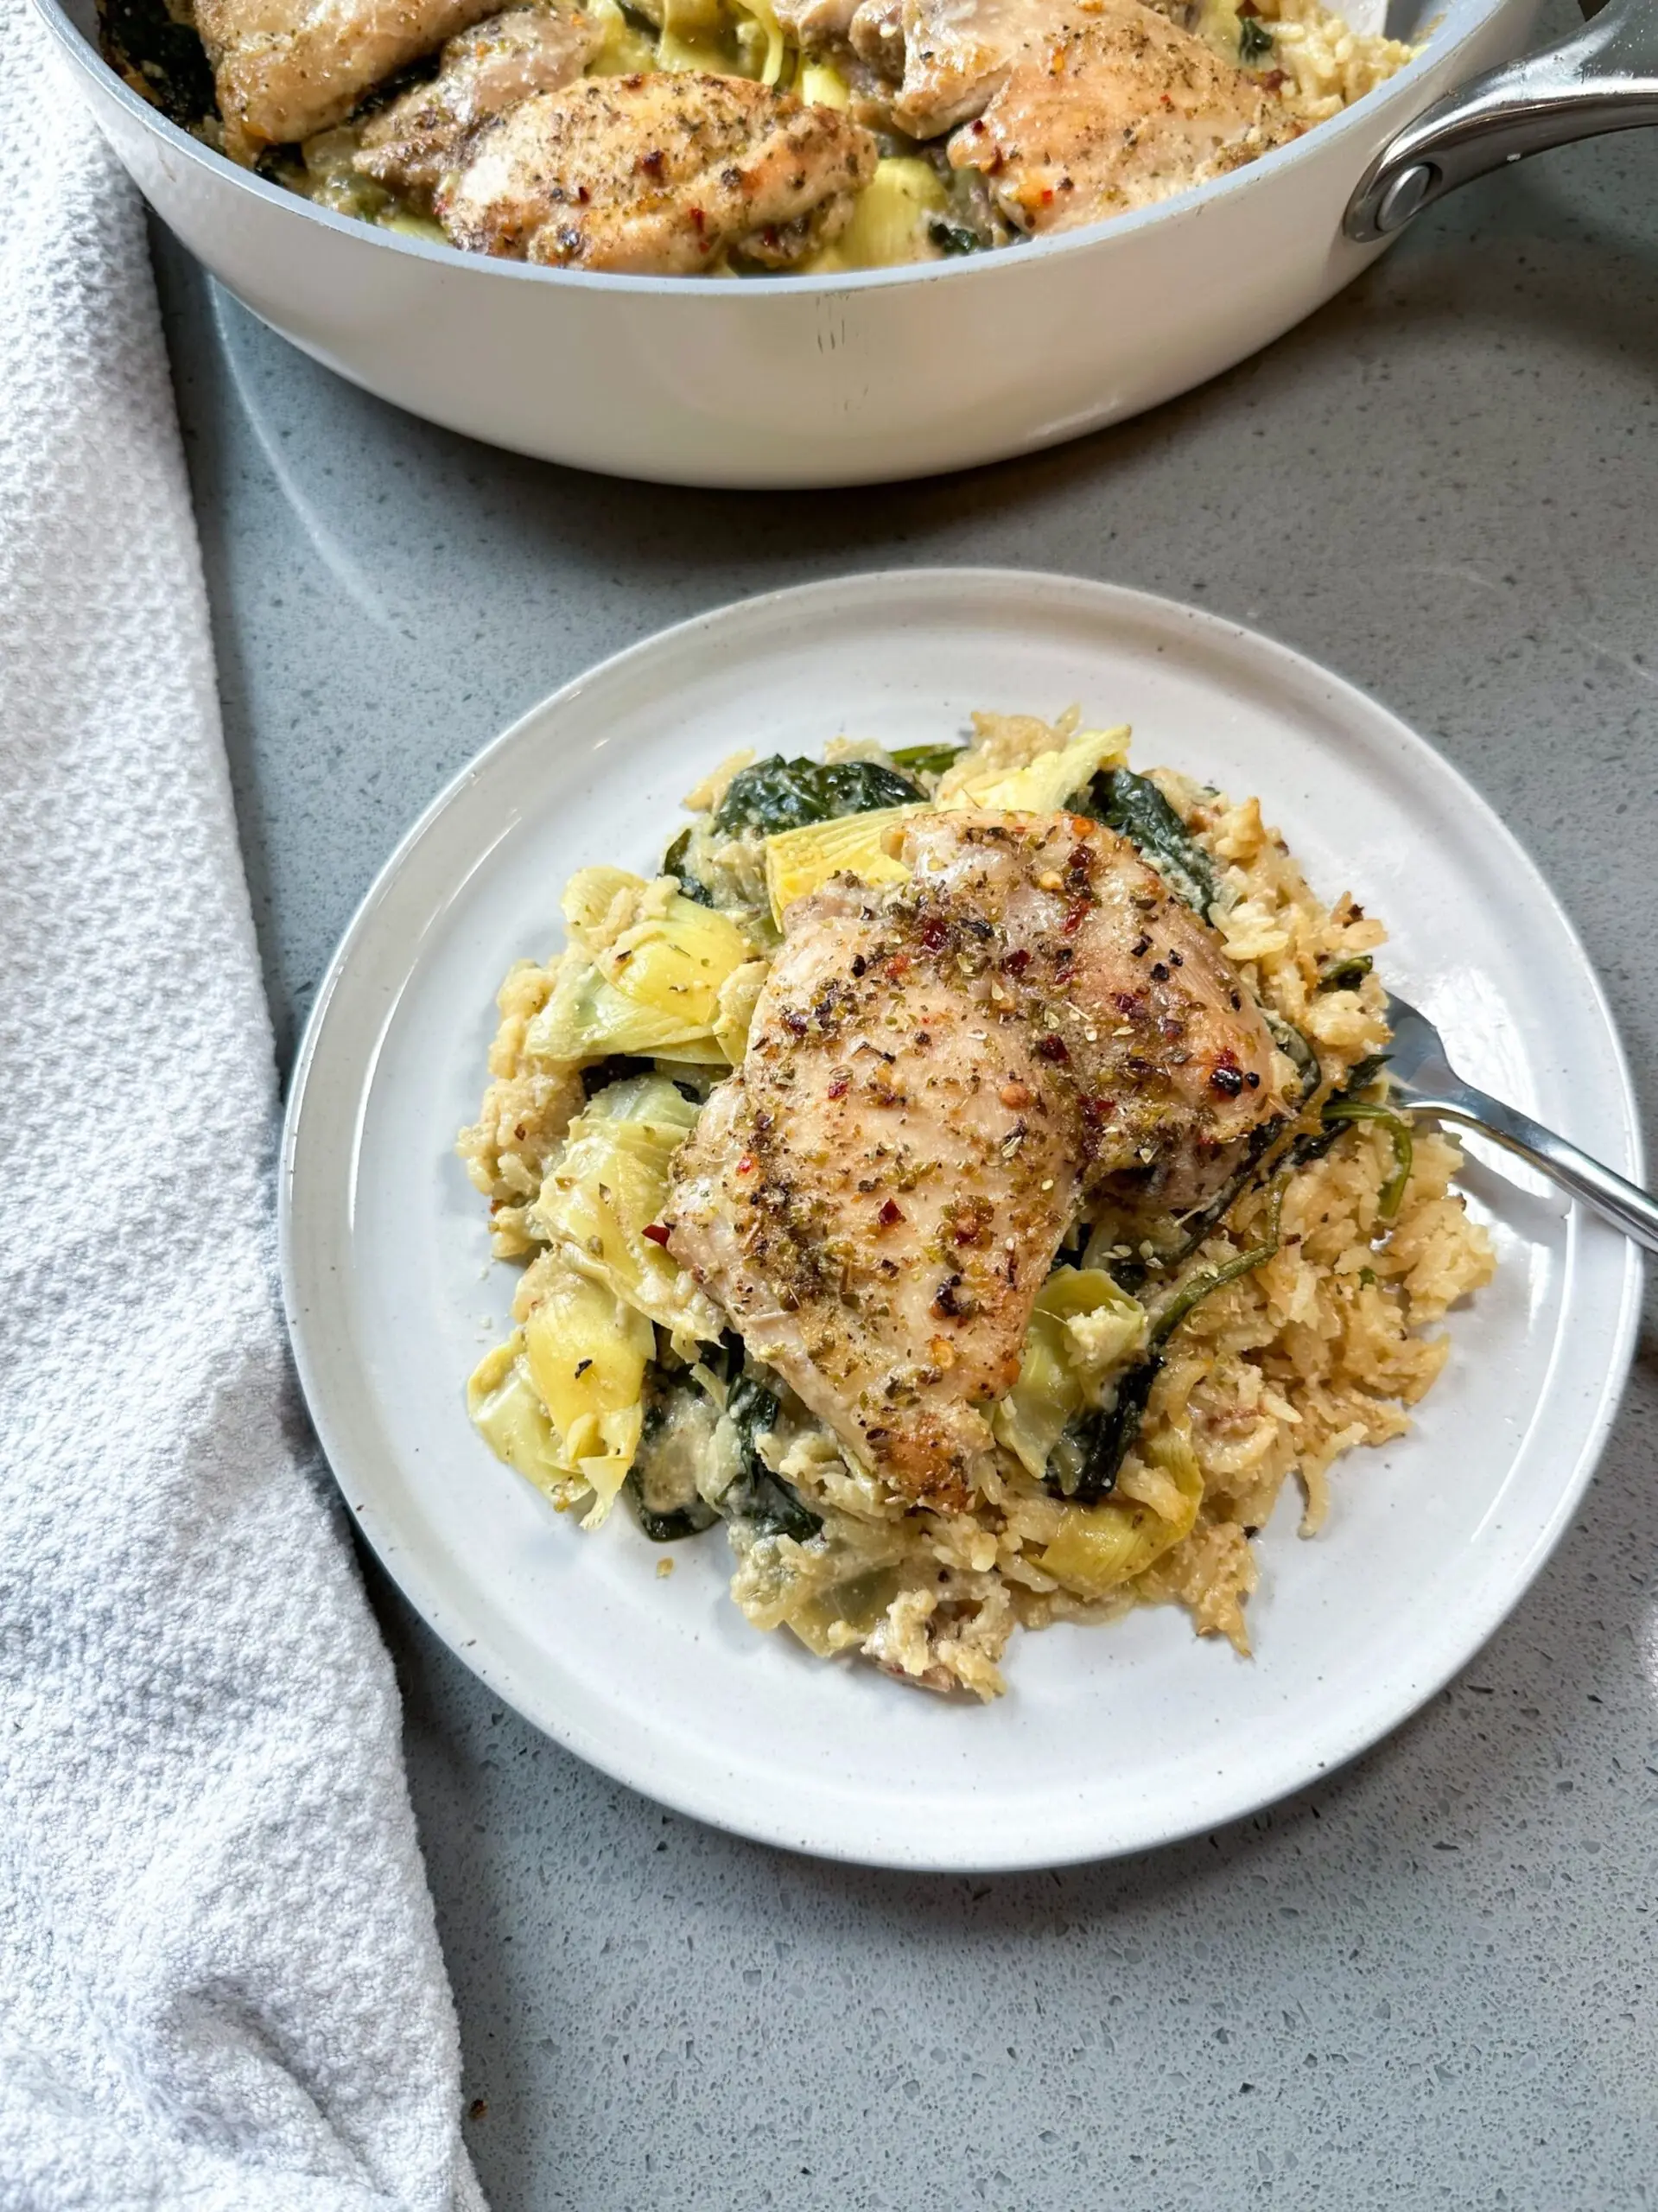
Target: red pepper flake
899, 964
1017, 961
656, 1232
1126, 1001
1075, 915
889, 1214
746, 1165
1052, 1048
1098, 1110
840, 1083
935, 934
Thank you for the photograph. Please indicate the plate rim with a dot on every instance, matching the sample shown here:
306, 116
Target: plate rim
570, 1729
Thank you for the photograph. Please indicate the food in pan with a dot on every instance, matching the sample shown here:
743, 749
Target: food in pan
741, 137
968, 1174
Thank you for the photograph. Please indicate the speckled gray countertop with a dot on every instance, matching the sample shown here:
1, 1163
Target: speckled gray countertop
1430, 1981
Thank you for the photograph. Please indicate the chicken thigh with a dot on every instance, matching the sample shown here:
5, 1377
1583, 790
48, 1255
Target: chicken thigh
937, 1075
287, 68
1120, 108
660, 174
495, 65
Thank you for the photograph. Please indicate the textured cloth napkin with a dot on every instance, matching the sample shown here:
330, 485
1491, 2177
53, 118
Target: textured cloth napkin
219, 1981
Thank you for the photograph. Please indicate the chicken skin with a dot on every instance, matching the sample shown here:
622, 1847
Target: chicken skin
1118, 109
659, 175
495, 65
938, 1074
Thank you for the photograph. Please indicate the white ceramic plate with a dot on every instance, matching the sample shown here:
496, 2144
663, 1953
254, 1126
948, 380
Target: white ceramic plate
1109, 1739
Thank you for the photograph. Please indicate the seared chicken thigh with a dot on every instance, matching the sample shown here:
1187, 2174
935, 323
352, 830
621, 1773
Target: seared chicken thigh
287, 68
1120, 108
660, 174
937, 1074
494, 66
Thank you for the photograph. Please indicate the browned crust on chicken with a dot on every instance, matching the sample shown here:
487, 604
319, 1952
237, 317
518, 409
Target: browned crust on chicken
494, 66
657, 174
936, 1076
284, 72
1120, 108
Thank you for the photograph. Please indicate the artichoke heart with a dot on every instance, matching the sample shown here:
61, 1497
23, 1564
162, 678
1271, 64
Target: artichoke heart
1082, 1328
1099, 1547
511, 1418
798, 860
1045, 785
652, 987
585, 1352
609, 1186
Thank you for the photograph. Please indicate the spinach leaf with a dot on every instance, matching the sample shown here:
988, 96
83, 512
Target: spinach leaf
758, 1497
779, 794
1254, 41
674, 863
927, 760
1339, 974
954, 237
1136, 810
1105, 1436
615, 1067
672, 1527
677, 1435
661, 1485
1316, 1142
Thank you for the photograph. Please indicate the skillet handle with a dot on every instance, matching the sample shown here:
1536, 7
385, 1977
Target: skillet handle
1603, 77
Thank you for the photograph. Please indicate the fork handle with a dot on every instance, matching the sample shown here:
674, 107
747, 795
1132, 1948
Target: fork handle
1622, 1204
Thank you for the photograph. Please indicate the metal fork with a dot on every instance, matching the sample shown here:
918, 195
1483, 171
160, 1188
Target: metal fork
1425, 1082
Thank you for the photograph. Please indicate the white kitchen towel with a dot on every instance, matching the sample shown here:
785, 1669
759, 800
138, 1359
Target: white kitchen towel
220, 1980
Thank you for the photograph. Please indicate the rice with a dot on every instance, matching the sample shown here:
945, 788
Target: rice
1326, 64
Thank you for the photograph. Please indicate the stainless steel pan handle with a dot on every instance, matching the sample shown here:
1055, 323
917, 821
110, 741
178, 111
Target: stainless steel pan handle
1602, 77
